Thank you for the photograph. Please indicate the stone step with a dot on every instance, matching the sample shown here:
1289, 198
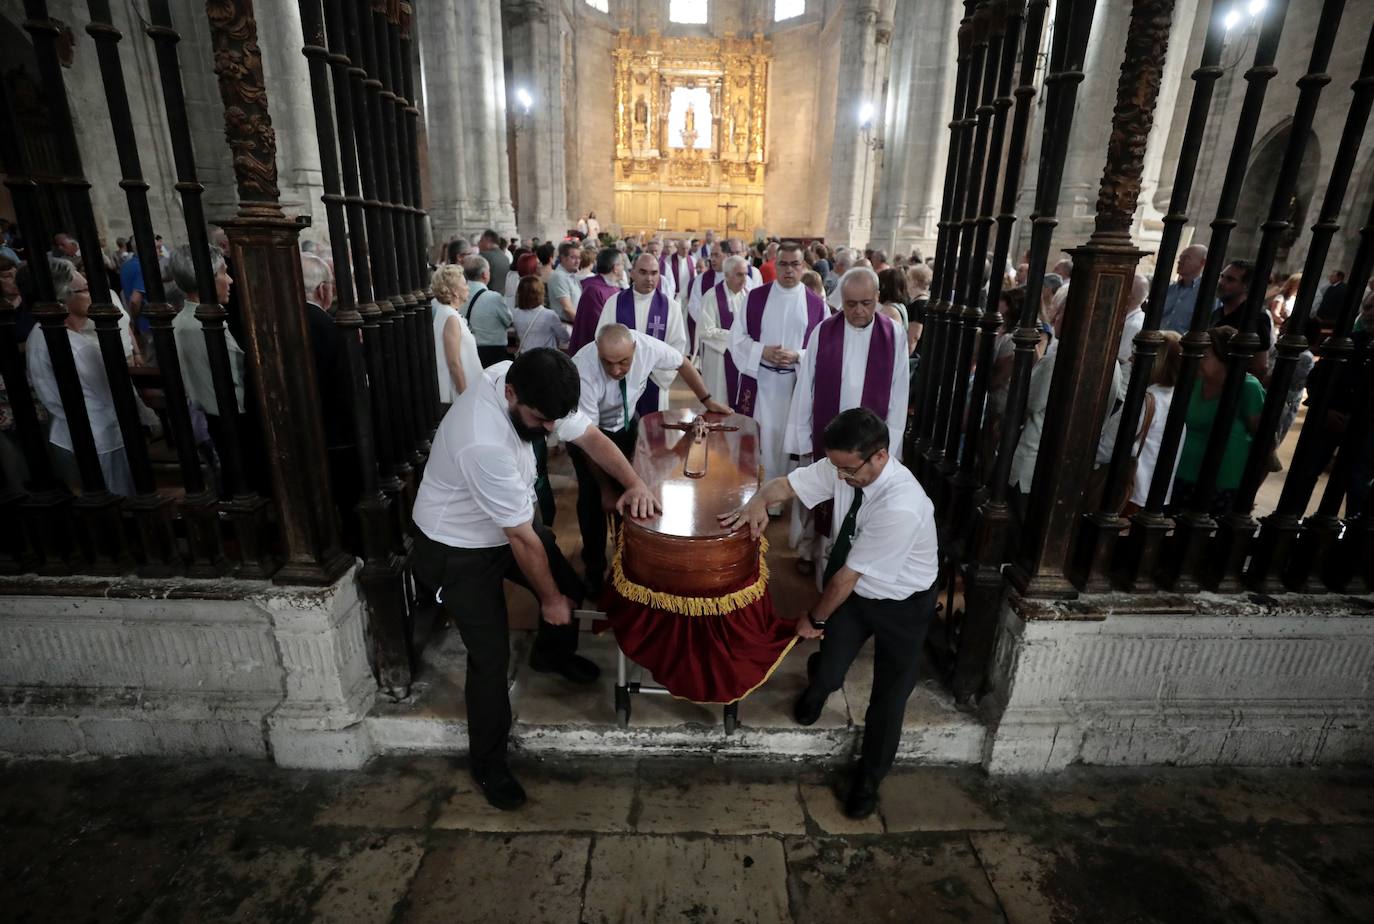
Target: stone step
553, 717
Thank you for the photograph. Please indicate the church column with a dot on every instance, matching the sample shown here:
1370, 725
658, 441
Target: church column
920, 86
440, 57
1092, 121
495, 60
537, 60
853, 158
287, 75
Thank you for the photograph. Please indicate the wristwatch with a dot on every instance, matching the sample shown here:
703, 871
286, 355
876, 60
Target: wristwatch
815, 625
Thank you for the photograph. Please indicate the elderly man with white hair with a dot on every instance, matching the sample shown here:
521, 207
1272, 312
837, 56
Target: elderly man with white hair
857, 358
844, 262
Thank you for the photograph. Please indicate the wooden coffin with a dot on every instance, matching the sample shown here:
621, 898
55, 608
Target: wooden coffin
699, 466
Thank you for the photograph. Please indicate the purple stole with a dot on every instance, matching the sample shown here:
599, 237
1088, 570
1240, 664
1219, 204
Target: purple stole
726, 320
753, 324
656, 326
596, 291
828, 342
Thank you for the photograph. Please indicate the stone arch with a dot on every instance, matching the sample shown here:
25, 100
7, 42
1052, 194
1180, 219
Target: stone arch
1257, 192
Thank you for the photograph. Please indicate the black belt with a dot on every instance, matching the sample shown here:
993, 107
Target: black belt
778, 369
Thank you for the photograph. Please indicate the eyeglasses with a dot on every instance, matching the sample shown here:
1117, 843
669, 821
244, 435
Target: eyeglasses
789, 263
849, 472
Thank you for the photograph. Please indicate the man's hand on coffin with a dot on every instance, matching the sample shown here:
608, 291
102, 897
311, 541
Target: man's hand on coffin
715, 407
638, 502
753, 514
557, 611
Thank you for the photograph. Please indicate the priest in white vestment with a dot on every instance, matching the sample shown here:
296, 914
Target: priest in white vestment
852, 359
734, 247
703, 282
767, 343
665, 283
651, 316
722, 304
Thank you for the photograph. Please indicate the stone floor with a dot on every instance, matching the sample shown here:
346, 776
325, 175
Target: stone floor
409, 841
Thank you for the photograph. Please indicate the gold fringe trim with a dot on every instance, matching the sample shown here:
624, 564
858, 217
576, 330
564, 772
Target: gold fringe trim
766, 677
687, 606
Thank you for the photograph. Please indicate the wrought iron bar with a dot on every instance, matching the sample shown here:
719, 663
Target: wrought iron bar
1185, 554
248, 512
948, 281
1006, 220
46, 509
103, 540
1149, 526
1278, 531
925, 392
987, 154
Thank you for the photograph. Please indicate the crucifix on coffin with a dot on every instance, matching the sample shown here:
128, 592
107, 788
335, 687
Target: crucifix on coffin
694, 466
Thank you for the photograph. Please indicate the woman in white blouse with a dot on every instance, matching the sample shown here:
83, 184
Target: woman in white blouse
455, 350
1154, 413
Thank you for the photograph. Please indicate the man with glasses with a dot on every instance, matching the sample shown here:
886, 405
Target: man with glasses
767, 343
880, 582
854, 359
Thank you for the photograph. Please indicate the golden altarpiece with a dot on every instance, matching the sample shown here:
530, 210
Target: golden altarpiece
690, 116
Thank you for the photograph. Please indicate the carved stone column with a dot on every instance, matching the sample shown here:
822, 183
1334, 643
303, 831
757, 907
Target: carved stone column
853, 155
266, 257
920, 86
1080, 393
535, 46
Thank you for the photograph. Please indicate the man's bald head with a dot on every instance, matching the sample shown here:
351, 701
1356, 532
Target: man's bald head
615, 347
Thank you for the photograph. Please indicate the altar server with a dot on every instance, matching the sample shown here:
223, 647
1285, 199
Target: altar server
722, 303
767, 343
880, 582
644, 307
613, 373
475, 526
853, 359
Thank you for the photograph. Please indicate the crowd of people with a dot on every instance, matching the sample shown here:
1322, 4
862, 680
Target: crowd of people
543, 347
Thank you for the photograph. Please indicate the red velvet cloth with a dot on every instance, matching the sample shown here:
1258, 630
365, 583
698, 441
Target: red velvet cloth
706, 659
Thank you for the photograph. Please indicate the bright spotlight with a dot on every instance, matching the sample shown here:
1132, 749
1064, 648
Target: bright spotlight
1255, 7
1231, 19
526, 101
866, 115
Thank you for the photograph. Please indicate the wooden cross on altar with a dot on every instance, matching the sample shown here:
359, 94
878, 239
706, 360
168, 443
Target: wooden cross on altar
695, 466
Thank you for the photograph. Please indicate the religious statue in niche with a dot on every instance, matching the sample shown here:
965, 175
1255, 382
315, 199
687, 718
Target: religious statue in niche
684, 104
739, 125
641, 126
689, 127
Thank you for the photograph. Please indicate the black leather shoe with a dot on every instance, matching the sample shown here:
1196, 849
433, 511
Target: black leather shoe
499, 786
574, 668
862, 800
808, 707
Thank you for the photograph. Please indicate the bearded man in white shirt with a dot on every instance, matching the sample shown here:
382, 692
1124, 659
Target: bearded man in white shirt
613, 373
880, 582
476, 526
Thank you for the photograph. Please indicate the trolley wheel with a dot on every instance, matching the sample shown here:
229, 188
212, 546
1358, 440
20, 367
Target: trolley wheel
731, 718
622, 706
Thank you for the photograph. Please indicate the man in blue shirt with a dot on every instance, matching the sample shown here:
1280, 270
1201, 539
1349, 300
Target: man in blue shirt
1182, 294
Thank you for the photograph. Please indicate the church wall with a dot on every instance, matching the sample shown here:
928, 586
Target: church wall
591, 147
801, 113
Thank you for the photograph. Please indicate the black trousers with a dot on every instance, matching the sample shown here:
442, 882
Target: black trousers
469, 584
899, 631
591, 519
491, 355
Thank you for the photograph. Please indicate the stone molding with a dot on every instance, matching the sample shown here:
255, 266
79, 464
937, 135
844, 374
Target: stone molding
185, 667
1228, 681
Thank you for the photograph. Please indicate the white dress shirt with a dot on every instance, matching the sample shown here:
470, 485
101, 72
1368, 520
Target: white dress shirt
195, 360
600, 399
479, 480
675, 337
895, 548
854, 364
